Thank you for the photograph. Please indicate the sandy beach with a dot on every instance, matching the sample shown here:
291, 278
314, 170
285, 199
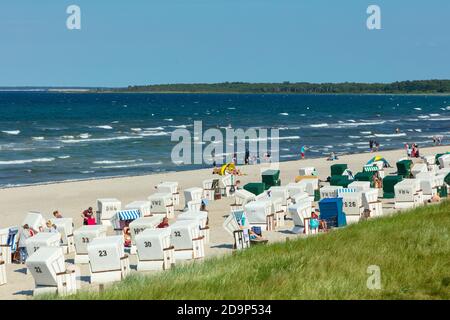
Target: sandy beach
71, 198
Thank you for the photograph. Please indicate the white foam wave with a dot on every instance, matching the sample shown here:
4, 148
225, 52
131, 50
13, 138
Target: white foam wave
106, 127
12, 132
37, 138
133, 165
101, 139
386, 135
64, 157
319, 125
115, 161
284, 114
11, 162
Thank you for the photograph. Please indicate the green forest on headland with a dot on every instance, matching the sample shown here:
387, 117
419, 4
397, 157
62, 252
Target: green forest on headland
403, 87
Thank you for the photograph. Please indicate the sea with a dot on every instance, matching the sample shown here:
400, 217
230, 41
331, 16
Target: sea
50, 137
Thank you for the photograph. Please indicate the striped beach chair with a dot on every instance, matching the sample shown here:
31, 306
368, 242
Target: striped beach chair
342, 191
370, 168
124, 217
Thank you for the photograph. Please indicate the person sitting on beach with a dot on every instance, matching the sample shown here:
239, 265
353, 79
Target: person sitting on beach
164, 223
87, 216
127, 237
57, 215
50, 227
216, 170
332, 157
434, 198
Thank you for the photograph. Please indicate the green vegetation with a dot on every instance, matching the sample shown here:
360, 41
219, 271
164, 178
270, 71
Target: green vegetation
412, 250
405, 87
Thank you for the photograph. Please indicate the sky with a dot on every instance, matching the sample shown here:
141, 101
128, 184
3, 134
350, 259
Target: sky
138, 42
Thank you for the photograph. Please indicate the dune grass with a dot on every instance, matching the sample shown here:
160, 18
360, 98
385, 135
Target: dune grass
412, 250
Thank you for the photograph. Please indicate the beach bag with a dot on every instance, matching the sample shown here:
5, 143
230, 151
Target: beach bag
91, 221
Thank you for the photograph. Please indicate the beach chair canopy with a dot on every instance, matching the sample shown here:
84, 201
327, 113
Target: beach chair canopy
227, 168
124, 215
379, 158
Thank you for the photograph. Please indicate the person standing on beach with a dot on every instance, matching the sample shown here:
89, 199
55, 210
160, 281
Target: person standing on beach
247, 156
371, 145
25, 233
302, 152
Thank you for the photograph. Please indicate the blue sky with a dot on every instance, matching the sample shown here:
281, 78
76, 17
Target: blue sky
172, 41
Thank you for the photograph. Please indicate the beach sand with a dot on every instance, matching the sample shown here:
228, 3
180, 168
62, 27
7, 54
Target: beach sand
71, 198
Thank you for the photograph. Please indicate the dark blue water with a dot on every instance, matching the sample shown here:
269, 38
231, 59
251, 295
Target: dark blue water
48, 137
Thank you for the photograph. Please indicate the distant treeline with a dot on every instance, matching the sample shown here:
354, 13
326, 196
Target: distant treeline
420, 86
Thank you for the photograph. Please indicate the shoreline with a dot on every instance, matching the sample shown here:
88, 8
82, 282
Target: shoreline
188, 170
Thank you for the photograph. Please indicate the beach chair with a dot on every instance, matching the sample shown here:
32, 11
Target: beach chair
428, 184
140, 225
3, 279
172, 188
106, 210
310, 186
408, 194
210, 189
241, 198
201, 217
123, 218
360, 185
5, 249
299, 212
35, 220
388, 186
352, 204
185, 237
154, 250
340, 181
226, 185
329, 192
65, 229
161, 204
50, 272
43, 239
260, 213
142, 206
238, 230
256, 188
331, 211
444, 161
82, 237
107, 260
271, 178
10, 248
307, 171
193, 198
338, 169
418, 168
404, 168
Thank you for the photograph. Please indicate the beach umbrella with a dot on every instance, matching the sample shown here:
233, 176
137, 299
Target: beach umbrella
379, 158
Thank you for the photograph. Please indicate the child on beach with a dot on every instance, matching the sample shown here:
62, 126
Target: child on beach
302, 152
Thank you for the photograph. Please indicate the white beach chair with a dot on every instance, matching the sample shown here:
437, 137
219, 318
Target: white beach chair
202, 219
418, 168
82, 237
310, 186
185, 237
154, 250
408, 194
65, 228
307, 171
3, 279
124, 217
352, 205
172, 188
43, 239
140, 225
444, 161
162, 204
360, 185
241, 198
299, 212
5, 249
106, 210
142, 206
107, 259
35, 220
226, 185
429, 183
259, 214
239, 233
329, 192
192, 194
50, 272
370, 202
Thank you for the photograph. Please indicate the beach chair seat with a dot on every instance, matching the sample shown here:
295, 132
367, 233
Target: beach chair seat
192, 194
299, 212
107, 209
388, 186
202, 219
239, 232
84, 236
50, 272
140, 225
42, 239
172, 188
107, 260
154, 250
162, 204
65, 229
259, 213
123, 218
241, 198
186, 238
142, 206
331, 211
35, 220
